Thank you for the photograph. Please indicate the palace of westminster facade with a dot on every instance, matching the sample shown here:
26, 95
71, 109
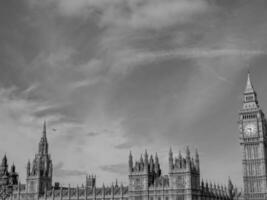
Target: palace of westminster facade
146, 181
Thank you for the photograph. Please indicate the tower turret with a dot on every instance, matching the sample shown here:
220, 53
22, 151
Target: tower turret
29, 168
13, 168
151, 164
90, 181
130, 162
230, 188
157, 166
13, 179
187, 153
170, 160
188, 160
146, 162
184, 177
141, 163
197, 160
4, 162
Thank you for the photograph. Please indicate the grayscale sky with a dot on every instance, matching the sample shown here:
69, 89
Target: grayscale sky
111, 76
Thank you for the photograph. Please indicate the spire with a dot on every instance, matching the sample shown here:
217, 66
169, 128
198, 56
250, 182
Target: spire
4, 161
187, 152
44, 130
43, 144
29, 168
151, 165
116, 183
130, 162
250, 100
230, 187
170, 159
13, 168
157, 166
197, 159
249, 87
156, 158
156, 161
170, 154
146, 162
141, 162
146, 157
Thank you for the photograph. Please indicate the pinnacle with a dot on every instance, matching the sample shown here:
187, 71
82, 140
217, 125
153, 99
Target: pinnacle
44, 130
249, 87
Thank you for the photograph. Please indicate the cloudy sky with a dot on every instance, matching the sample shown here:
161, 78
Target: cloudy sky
111, 76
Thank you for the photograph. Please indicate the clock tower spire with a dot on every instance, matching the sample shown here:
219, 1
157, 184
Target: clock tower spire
250, 100
253, 140
249, 87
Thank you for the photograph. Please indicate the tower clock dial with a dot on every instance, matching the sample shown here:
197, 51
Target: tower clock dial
250, 129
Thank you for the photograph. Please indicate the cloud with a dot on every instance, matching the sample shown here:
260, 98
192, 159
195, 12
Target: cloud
125, 145
59, 171
153, 14
136, 57
18, 121
151, 72
120, 168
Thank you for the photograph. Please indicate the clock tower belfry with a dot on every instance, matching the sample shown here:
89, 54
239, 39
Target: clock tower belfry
253, 140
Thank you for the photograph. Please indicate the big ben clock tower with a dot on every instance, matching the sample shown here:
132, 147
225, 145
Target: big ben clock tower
253, 139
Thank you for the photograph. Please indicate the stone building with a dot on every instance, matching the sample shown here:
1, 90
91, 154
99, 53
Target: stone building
146, 182
253, 139
90, 181
146, 179
8, 178
39, 172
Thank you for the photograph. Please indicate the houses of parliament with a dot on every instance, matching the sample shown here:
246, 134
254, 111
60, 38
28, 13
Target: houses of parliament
146, 180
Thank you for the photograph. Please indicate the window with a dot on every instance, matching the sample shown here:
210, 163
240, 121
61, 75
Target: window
250, 98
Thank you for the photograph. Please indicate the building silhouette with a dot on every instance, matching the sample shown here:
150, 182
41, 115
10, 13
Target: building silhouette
253, 138
8, 178
146, 179
39, 172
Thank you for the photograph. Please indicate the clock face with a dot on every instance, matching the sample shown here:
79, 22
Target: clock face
250, 129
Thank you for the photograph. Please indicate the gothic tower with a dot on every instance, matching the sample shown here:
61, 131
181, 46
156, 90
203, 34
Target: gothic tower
39, 172
184, 175
9, 178
90, 181
142, 175
252, 125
